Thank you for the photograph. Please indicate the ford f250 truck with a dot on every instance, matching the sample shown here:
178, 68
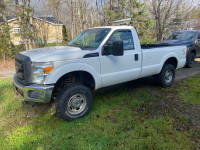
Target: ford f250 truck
97, 58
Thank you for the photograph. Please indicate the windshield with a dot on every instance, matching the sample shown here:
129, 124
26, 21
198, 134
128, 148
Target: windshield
90, 38
182, 36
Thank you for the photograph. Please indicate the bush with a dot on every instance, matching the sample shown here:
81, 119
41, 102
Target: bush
65, 34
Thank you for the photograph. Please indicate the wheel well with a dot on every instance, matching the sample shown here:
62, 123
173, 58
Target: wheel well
193, 51
172, 61
81, 77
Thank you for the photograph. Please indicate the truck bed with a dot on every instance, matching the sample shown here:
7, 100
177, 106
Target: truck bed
153, 58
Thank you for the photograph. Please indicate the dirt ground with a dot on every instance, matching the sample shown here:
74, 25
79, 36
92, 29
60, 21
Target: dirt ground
7, 69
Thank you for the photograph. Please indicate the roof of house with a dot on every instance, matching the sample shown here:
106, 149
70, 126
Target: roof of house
8, 18
51, 20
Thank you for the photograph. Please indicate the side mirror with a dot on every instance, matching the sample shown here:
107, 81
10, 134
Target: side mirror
115, 48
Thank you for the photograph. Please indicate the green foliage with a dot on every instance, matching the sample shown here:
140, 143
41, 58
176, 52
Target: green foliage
148, 41
65, 34
26, 28
4, 40
135, 10
7, 49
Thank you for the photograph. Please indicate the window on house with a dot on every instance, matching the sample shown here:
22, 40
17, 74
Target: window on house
16, 30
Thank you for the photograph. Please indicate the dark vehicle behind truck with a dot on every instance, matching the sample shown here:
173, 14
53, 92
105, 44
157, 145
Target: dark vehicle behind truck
190, 38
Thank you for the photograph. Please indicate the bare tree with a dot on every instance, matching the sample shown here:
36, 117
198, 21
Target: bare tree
167, 13
162, 11
91, 13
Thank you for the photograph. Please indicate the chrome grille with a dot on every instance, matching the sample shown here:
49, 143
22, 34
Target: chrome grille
23, 69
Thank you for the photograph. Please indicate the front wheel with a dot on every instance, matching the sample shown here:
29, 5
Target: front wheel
166, 77
73, 102
190, 60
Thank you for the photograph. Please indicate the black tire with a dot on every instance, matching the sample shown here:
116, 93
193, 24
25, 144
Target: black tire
69, 99
163, 78
190, 60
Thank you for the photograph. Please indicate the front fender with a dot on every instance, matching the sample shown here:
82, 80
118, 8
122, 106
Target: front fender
58, 73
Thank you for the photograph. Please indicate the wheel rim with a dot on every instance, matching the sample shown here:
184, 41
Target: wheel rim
168, 76
76, 104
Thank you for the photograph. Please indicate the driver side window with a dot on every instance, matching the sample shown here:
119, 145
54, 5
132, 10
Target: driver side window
125, 36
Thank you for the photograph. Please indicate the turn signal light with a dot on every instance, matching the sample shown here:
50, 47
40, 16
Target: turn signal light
48, 69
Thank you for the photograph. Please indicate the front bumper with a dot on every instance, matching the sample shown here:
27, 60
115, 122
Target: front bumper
34, 92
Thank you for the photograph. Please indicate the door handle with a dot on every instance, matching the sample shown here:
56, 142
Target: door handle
136, 57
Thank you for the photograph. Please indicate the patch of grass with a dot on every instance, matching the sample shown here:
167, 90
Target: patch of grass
189, 90
121, 119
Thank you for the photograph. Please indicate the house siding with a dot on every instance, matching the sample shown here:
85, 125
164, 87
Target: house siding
44, 30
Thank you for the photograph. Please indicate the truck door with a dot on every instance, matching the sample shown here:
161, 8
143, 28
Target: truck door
118, 69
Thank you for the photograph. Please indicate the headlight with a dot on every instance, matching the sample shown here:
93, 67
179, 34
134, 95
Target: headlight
40, 71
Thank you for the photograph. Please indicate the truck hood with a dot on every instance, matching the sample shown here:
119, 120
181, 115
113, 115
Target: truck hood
175, 42
56, 53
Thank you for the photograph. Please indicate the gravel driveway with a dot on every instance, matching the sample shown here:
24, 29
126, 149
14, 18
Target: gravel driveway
188, 72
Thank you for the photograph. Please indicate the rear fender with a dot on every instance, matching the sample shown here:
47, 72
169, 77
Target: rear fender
168, 56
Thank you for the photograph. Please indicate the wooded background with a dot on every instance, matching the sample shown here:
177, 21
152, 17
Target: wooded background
153, 19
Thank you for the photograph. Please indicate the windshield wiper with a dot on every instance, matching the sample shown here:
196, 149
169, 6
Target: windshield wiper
77, 45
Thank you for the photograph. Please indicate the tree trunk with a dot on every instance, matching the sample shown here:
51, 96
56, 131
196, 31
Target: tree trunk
72, 20
85, 13
30, 24
98, 16
91, 13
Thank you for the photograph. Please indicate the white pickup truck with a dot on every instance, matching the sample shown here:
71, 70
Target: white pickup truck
97, 58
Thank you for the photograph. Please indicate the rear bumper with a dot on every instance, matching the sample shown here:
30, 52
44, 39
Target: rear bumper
34, 92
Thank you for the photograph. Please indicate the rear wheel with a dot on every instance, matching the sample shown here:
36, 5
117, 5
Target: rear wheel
74, 101
190, 60
166, 77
